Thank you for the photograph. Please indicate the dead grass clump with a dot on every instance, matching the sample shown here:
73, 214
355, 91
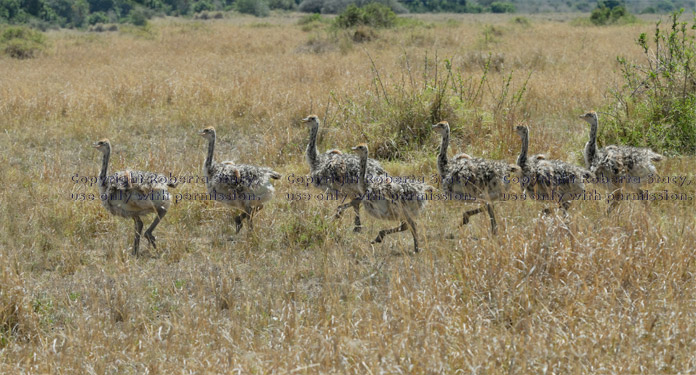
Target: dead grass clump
364, 34
484, 60
205, 15
18, 320
319, 43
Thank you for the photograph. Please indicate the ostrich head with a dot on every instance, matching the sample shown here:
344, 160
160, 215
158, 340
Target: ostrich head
103, 146
360, 149
442, 128
312, 121
522, 130
207, 133
590, 117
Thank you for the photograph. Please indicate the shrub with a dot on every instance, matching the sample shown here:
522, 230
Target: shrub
282, 4
657, 106
610, 12
138, 17
338, 6
202, 6
363, 34
375, 15
258, 8
97, 17
311, 6
522, 21
21, 42
502, 7
310, 18
422, 6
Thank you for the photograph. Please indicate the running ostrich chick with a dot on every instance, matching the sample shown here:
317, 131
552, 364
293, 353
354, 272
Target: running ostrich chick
133, 194
389, 200
335, 171
243, 187
618, 167
474, 178
547, 180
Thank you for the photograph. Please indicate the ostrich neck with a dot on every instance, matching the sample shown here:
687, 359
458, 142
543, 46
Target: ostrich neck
105, 166
362, 183
209, 158
442, 156
522, 159
591, 148
312, 148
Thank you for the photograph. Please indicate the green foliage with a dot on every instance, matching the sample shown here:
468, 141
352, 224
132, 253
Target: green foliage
610, 12
374, 15
458, 6
97, 17
21, 42
202, 6
657, 106
138, 17
258, 8
310, 19
338, 6
282, 4
502, 7
522, 21
402, 111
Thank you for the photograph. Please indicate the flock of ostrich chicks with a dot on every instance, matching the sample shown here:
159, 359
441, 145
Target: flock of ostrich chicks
246, 188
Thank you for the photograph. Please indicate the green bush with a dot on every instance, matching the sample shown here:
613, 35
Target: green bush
310, 18
258, 8
21, 42
97, 17
657, 106
502, 7
202, 6
610, 12
375, 15
138, 17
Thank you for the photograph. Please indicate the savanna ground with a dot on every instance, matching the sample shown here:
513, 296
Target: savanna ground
302, 293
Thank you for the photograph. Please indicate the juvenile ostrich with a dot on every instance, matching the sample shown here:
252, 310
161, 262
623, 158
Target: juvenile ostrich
244, 187
472, 178
389, 200
335, 171
549, 179
618, 167
133, 194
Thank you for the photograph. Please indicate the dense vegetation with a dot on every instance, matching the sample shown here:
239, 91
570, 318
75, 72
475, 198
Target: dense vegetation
609, 12
657, 105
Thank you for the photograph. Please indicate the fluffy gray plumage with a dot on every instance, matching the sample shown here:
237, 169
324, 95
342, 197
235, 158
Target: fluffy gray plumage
133, 194
617, 165
388, 200
549, 179
474, 178
244, 187
335, 171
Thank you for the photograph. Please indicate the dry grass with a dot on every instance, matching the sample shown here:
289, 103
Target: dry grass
303, 294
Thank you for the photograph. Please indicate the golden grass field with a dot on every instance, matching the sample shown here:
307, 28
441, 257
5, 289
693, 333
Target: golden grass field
302, 293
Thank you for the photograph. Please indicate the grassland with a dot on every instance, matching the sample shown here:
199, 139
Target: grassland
302, 293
